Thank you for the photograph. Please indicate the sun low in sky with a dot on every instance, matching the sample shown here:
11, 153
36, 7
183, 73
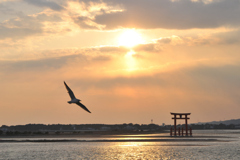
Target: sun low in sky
130, 38
130, 61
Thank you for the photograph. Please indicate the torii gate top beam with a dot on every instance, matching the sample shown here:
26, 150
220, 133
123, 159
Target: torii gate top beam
180, 113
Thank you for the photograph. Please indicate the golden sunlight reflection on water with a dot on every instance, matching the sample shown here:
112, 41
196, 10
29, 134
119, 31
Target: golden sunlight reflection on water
128, 150
130, 144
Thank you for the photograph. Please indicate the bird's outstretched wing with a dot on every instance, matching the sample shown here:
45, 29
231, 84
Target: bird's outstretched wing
83, 107
70, 92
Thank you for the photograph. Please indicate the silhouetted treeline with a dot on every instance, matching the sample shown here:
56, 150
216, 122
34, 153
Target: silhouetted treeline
45, 129
42, 129
214, 126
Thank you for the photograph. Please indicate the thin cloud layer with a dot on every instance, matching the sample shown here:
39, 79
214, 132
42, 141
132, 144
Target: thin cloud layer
24, 26
45, 3
181, 14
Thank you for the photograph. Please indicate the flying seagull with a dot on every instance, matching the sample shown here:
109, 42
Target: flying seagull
74, 99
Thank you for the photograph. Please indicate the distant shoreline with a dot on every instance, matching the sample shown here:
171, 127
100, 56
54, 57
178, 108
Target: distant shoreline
126, 137
113, 140
87, 134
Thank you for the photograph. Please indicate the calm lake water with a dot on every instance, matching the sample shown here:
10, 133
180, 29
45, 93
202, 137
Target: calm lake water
227, 148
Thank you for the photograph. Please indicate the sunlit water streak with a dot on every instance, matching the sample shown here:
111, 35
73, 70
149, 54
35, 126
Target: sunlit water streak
128, 150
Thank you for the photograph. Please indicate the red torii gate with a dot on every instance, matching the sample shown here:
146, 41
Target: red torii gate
180, 116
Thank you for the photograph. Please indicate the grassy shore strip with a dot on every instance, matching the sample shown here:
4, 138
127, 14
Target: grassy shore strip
117, 140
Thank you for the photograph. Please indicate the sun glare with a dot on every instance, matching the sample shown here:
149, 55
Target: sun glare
130, 61
130, 38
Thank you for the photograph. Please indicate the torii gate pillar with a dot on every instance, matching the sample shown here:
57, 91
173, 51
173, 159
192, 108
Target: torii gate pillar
180, 116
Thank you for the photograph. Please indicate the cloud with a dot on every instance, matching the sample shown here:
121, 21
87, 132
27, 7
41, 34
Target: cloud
45, 3
148, 47
62, 16
16, 32
5, 9
86, 23
230, 37
58, 58
29, 25
99, 15
217, 82
182, 14
156, 45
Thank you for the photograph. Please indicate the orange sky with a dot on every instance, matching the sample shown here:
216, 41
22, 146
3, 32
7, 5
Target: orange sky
129, 61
